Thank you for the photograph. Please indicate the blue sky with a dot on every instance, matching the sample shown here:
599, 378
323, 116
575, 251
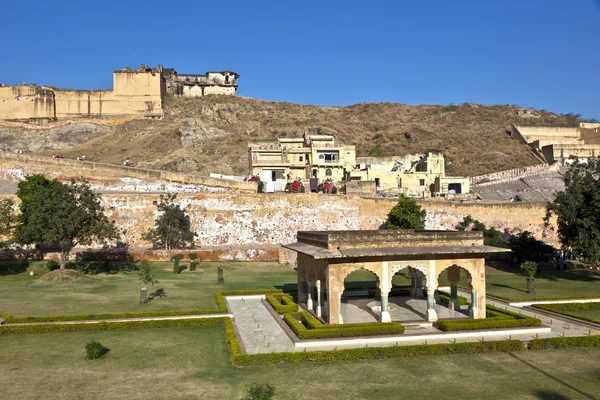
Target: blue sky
535, 53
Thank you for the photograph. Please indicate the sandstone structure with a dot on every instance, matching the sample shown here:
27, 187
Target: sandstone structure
135, 92
558, 144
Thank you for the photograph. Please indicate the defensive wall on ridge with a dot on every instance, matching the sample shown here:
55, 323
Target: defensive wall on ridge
114, 178
249, 226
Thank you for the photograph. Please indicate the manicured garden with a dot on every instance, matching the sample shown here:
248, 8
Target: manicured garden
194, 363
510, 282
586, 311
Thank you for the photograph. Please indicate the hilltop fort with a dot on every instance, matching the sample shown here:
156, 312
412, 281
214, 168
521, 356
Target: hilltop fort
135, 92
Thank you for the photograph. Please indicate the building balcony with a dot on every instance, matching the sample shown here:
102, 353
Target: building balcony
261, 162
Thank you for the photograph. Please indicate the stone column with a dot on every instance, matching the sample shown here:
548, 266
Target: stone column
301, 270
413, 283
454, 278
431, 314
318, 298
473, 310
385, 314
310, 281
334, 294
419, 289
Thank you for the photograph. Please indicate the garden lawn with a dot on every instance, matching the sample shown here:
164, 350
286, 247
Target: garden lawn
587, 311
22, 295
508, 282
194, 363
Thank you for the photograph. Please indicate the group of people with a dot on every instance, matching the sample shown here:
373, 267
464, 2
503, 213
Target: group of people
128, 163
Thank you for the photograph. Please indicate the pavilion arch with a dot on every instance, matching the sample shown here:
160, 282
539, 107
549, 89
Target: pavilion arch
416, 269
475, 268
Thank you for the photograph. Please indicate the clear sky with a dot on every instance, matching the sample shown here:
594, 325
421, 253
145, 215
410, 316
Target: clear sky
543, 54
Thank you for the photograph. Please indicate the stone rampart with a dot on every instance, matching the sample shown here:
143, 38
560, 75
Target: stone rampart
511, 174
255, 221
18, 165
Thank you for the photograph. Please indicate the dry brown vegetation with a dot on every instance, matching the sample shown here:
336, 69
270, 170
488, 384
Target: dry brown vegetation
473, 137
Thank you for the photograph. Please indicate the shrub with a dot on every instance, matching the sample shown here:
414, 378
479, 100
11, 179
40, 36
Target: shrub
176, 259
282, 304
52, 265
94, 349
192, 257
445, 298
565, 342
260, 391
496, 319
298, 322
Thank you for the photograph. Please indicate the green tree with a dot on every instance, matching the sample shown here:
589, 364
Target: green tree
530, 269
406, 214
260, 391
145, 273
172, 228
577, 209
527, 248
66, 215
491, 236
7, 221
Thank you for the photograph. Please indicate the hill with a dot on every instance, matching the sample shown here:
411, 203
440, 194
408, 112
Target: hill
217, 129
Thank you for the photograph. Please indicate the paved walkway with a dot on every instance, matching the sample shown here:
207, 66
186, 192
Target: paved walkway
260, 332
257, 328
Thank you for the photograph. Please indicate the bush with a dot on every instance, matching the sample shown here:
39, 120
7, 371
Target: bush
497, 318
260, 391
298, 322
176, 259
282, 304
565, 342
111, 326
52, 265
445, 298
94, 349
192, 257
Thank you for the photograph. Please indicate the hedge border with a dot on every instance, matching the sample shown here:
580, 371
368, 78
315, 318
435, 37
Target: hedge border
282, 304
446, 297
530, 300
501, 319
219, 299
297, 321
111, 326
564, 342
553, 308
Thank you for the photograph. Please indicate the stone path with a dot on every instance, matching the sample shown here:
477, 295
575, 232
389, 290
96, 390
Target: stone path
260, 332
257, 328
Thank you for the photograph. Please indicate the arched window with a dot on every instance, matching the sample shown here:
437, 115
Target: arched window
328, 172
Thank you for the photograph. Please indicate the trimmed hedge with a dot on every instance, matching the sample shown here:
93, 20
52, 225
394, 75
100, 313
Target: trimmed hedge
565, 342
282, 304
111, 326
567, 308
445, 298
297, 321
496, 319
221, 309
542, 298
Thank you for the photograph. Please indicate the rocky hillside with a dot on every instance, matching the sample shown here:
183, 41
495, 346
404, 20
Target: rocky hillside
211, 134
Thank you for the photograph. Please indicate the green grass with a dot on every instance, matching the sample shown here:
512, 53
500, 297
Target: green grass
507, 282
586, 311
21, 295
194, 363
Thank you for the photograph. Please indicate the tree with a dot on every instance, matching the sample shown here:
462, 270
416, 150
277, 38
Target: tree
406, 214
491, 236
66, 215
146, 273
527, 248
172, 228
577, 209
530, 269
7, 221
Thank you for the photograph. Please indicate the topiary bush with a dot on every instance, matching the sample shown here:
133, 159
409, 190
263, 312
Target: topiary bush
52, 265
260, 391
192, 257
176, 259
94, 349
